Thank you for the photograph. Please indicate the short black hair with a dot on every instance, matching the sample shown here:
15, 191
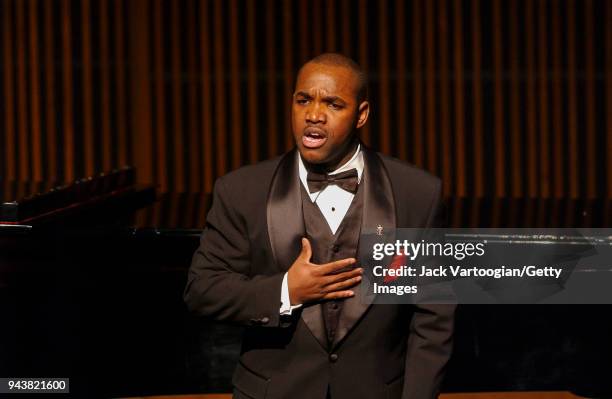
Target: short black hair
337, 59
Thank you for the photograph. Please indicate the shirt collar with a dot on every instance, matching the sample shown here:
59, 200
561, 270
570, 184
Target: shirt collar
356, 162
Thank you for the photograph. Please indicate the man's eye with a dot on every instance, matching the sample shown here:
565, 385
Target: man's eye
335, 106
301, 101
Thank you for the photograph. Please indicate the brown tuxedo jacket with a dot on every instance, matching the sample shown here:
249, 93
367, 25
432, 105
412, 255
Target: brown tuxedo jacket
252, 236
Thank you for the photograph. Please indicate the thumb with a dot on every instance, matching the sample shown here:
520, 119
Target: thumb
306, 249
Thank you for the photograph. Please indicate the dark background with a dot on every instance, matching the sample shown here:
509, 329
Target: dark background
510, 102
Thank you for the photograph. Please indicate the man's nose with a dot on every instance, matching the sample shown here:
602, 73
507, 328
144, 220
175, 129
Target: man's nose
315, 114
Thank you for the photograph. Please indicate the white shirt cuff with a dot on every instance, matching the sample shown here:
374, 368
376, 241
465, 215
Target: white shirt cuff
286, 307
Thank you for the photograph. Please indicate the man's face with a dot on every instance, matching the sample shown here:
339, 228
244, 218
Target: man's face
325, 113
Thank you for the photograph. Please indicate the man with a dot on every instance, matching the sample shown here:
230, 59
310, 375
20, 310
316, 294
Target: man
278, 254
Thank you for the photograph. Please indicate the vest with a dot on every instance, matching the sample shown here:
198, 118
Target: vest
328, 247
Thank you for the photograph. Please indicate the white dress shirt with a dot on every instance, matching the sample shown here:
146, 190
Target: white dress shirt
333, 202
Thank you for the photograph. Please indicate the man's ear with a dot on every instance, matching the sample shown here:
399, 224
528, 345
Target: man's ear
362, 113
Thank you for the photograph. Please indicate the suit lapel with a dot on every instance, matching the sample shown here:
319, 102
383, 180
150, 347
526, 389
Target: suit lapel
284, 212
378, 209
286, 228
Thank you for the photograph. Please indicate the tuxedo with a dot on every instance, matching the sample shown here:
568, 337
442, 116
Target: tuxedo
253, 235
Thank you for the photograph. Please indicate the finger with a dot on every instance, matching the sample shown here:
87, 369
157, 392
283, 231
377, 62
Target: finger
343, 285
332, 267
339, 295
336, 278
306, 253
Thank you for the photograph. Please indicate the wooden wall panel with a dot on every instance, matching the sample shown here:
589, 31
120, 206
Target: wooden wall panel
432, 145
501, 98
159, 97
530, 106
443, 104
51, 104
87, 85
459, 92
219, 98
516, 162
558, 164
572, 102
271, 131
418, 151
193, 129
8, 103
23, 133
477, 103
608, 98
138, 107
590, 103
67, 126
35, 103
362, 53
401, 103
384, 113
105, 89
289, 73
499, 127
544, 116
206, 151
178, 108
236, 103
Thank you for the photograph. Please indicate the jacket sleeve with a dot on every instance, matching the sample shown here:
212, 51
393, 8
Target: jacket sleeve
220, 282
430, 340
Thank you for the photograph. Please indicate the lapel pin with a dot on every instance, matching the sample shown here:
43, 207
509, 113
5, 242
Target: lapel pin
379, 230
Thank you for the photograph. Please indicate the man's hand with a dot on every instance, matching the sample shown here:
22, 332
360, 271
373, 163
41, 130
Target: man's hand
309, 282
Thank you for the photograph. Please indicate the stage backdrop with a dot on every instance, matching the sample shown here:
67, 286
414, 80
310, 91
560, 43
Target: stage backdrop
499, 98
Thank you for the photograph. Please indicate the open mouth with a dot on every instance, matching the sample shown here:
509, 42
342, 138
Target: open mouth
314, 138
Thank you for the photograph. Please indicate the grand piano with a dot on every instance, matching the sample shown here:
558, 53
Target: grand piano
91, 280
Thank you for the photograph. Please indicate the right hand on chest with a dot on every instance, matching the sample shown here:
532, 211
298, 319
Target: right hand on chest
308, 282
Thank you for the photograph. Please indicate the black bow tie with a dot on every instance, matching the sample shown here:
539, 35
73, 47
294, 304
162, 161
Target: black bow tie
345, 180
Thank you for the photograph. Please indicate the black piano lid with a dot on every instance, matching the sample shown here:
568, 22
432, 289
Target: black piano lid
40, 203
